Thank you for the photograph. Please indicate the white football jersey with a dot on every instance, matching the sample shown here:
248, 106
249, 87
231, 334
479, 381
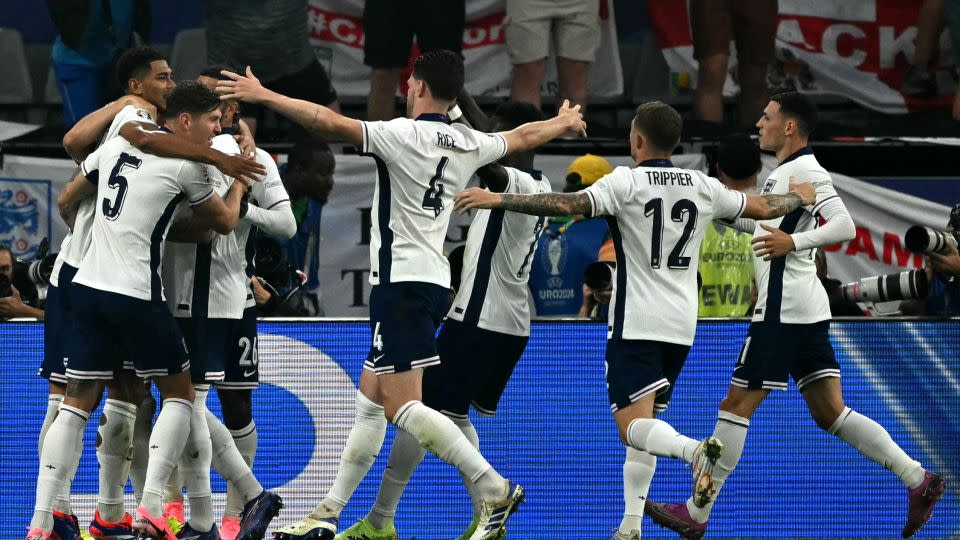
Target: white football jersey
268, 194
789, 290
213, 280
658, 216
76, 242
496, 263
137, 194
421, 165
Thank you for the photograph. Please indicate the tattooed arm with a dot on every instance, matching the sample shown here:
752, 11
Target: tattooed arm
764, 207
542, 204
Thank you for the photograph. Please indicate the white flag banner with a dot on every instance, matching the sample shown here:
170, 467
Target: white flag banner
860, 49
336, 31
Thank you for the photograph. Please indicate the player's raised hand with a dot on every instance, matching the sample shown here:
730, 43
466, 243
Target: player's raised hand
243, 168
475, 198
140, 103
573, 119
242, 87
806, 191
776, 244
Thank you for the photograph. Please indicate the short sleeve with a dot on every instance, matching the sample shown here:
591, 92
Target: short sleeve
90, 167
386, 139
492, 147
608, 195
194, 183
220, 181
126, 115
269, 193
727, 203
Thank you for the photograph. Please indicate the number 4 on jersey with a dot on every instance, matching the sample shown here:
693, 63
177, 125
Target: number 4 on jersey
433, 198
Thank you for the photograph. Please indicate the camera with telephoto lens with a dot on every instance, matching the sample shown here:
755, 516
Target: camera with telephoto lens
27, 276
926, 240
899, 286
599, 275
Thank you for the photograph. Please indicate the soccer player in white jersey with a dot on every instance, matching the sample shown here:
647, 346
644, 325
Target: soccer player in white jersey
207, 288
788, 335
487, 327
146, 78
421, 162
658, 215
117, 298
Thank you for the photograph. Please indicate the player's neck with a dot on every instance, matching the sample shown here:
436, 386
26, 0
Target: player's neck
789, 148
647, 156
745, 184
428, 106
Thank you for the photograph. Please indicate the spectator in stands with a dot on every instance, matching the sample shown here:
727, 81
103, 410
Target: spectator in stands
273, 39
575, 28
752, 25
951, 12
389, 27
308, 178
567, 246
726, 254
12, 305
943, 271
920, 80
92, 34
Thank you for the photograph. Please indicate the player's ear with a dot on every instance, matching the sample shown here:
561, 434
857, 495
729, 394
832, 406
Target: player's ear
185, 120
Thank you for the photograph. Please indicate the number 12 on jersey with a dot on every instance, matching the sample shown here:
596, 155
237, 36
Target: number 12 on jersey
684, 209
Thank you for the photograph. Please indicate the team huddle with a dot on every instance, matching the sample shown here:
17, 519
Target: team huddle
154, 284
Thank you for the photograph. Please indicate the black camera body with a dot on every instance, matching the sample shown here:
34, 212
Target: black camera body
27, 276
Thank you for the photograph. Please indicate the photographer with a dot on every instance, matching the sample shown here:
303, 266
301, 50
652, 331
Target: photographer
11, 304
597, 289
943, 271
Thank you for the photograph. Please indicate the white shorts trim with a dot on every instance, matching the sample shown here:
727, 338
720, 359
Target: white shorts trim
89, 375
817, 375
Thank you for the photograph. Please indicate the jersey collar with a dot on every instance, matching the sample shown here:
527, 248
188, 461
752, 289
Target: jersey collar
228, 131
434, 117
805, 151
537, 174
664, 163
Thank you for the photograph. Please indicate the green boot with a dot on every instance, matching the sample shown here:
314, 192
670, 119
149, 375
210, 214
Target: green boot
363, 530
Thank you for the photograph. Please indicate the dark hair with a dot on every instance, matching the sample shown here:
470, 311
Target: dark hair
660, 124
305, 152
191, 97
135, 64
738, 157
4, 247
442, 70
800, 108
513, 114
214, 71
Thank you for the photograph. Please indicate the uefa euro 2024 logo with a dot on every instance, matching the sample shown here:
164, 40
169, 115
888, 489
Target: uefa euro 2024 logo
19, 222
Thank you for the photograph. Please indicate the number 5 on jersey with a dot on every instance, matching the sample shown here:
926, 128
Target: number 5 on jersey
111, 209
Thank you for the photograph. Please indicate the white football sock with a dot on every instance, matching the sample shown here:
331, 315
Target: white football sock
470, 432
439, 435
166, 444
194, 465
871, 440
362, 448
660, 439
115, 442
141, 445
61, 502
173, 491
638, 469
53, 407
732, 432
245, 440
405, 455
58, 457
228, 462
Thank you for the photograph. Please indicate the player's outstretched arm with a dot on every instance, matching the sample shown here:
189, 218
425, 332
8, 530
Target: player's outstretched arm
82, 138
569, 120
311, 116
279, 221
72, 195
541, 204
773, 206
163, 144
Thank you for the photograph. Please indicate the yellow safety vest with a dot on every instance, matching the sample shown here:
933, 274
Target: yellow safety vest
726, 268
